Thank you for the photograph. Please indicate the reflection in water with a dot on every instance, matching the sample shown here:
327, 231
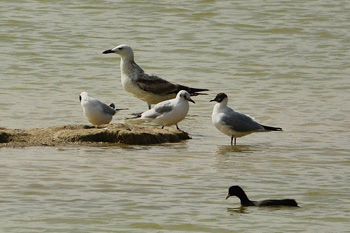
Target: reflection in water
240, 210
225, 149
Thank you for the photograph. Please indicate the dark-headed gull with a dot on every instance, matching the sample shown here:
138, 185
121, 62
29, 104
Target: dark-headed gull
235, 124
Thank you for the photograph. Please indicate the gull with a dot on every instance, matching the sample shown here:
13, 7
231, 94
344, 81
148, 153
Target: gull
169, 112
95, 111
149, 88
235, 124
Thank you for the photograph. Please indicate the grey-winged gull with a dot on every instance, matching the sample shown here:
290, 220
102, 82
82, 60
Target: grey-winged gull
149, 88
169, 112
235, 124
95, 111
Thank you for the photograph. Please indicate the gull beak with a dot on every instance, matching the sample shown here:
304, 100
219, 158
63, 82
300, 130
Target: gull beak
227, 196
80, 98
108, 51
191, 100
212, 100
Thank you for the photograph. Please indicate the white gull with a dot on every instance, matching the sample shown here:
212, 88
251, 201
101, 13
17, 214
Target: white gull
169, 112
95, 111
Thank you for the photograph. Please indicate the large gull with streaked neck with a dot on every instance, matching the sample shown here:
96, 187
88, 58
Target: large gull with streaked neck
149, 88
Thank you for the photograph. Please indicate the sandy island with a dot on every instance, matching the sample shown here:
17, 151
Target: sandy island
82, 135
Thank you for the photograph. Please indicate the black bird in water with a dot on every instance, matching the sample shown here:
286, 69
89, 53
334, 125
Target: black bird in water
238, 192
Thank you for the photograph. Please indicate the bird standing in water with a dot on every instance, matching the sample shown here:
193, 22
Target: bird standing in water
235, 124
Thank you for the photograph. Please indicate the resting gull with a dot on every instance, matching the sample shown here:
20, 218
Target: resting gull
149, 88
169, 112
235, 124
95, 111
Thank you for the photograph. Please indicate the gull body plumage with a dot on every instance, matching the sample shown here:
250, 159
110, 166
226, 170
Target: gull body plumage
149, 88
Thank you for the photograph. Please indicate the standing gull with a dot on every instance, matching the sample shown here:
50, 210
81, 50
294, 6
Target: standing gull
149, 88
232, 123
95, 111
169, 112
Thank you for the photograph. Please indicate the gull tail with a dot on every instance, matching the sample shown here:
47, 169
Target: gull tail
193, 91
117, 109
270, 128
135, 116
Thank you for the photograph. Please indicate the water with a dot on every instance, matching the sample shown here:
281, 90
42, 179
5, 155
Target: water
285, 63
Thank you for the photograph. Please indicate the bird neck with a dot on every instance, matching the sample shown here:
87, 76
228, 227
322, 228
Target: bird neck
244, 199
128, 66
220, 107
223, 103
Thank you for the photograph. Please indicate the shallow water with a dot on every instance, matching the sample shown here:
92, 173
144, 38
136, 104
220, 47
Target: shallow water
285, 63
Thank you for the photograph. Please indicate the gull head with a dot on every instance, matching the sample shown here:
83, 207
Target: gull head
84, 96
219, 97
184, 95
123, 50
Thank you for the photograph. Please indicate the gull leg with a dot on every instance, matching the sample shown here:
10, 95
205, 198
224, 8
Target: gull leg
177, 127
149, 106
232, 141
163, 127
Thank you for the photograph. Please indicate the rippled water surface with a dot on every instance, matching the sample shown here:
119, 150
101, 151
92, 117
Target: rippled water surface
284, 62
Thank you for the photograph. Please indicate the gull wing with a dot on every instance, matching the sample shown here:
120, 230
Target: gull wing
158, 110
156, 85
240, 122
107, 109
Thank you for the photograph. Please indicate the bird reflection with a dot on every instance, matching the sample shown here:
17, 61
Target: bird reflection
224, 149
240, 210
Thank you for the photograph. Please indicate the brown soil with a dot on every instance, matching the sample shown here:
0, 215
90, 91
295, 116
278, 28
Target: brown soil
80, 135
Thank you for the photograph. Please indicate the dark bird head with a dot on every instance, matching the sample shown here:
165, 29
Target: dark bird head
219, 97
112, 105
235, 190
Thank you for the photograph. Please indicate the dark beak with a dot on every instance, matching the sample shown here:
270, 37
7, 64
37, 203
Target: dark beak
108, 51
212, 100
191, 100
227, 196
79, 98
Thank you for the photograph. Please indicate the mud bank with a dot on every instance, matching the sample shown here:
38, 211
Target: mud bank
81, 135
